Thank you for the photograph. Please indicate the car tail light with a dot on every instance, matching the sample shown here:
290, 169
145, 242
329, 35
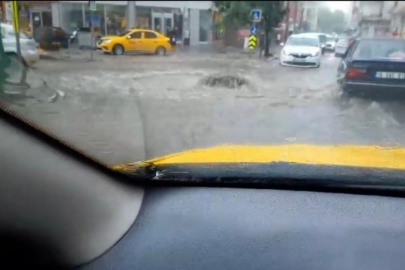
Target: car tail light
355, 73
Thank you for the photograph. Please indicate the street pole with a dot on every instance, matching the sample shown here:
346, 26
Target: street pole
287, 20
297, 3
16, 25
92, 8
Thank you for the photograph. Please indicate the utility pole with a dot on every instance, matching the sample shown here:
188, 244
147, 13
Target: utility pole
287, 20
297, 4
16, 24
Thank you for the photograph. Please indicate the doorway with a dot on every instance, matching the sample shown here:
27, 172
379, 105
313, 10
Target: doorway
162, 22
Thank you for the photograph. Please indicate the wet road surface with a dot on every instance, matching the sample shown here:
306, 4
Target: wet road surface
129, 108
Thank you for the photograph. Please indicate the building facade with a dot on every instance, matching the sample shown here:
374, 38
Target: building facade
374, 18
193, 19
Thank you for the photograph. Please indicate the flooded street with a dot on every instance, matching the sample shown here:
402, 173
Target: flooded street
129, 108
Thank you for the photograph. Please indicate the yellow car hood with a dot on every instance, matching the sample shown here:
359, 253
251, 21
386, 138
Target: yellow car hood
337, 155
110, 37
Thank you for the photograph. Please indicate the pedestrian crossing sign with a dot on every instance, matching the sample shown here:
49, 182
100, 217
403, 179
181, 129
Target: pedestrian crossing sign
256, 15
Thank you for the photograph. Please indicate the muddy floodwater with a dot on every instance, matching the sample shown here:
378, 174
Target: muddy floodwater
126, 109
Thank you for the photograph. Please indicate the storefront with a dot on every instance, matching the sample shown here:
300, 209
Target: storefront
192, 20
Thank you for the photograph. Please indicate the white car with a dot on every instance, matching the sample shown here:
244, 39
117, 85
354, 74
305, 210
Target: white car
342, 45
301, 50
330, 43
29, 50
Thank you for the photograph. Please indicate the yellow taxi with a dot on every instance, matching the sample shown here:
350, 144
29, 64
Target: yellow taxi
135, 41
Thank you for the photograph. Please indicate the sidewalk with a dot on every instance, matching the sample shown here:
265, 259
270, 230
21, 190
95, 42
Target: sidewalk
69, 54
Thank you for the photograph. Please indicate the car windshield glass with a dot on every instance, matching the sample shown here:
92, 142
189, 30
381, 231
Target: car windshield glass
123, 34
380, 49
303, 41
124, 88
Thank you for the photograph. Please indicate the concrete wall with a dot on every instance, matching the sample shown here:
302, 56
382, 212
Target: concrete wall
55, 15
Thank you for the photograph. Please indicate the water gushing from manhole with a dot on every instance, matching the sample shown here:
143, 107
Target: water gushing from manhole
227, 81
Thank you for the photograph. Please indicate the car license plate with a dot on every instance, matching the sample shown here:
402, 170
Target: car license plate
298, 60
390, 75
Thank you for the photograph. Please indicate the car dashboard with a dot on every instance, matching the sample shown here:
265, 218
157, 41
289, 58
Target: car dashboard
227, 228
95, 220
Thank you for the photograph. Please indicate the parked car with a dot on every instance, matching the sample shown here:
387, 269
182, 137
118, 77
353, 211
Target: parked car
51, 37
342, 44
301, 50
330, 43
29, 50
371, 64
135, 41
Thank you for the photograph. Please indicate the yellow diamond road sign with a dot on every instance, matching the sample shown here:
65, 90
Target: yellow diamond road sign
252, 42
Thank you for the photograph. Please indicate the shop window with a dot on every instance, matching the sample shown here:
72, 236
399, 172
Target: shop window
150, 35
46, 18
116, 19
99, 12
71, 16
178, 25
143, 18
205, 25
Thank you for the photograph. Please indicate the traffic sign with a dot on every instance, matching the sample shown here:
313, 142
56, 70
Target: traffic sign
252, 42
256, 15
253, 30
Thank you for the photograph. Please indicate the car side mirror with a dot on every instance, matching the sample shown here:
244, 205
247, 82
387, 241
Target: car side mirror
128, 37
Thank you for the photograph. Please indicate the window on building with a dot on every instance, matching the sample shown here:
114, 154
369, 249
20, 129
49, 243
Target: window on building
116, 19
178, 24
136, 35
71, 16
205, 25
98, 18
143, 18
150, 35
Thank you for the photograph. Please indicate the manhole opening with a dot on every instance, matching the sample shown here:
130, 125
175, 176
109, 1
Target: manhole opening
227, 81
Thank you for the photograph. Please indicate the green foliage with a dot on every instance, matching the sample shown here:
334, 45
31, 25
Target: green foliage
237, 13
329, 21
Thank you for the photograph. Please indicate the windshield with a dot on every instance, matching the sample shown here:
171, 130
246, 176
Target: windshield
380, 49
303, 41
330, 39
183, 81
123, 34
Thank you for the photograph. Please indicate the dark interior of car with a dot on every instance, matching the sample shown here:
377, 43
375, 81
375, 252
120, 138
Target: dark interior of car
60, 210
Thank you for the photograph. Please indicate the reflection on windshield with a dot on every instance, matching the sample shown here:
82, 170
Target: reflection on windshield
129, 100
379, 49
303, 41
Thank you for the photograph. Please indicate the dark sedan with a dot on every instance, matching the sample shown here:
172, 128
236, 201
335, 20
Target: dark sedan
373, 64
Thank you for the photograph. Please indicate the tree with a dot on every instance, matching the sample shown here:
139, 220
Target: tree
329, 21
237, 14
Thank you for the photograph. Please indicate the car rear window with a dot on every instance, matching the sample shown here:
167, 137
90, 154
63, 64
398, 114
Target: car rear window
380, 49
322, 39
